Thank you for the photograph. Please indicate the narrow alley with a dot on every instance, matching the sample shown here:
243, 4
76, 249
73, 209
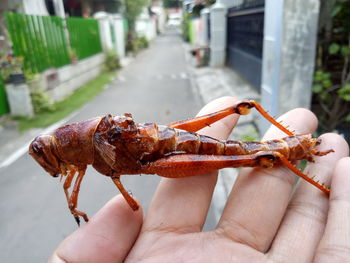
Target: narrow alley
154, 87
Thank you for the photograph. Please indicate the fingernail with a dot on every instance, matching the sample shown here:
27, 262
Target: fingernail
55, 259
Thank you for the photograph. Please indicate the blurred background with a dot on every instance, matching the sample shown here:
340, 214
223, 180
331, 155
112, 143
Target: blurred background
63, 61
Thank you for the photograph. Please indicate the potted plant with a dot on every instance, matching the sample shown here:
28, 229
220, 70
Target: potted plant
16, 75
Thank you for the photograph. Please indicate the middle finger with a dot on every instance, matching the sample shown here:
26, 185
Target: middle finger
260, 196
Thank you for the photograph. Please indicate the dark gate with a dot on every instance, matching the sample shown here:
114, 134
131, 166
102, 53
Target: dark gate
245, 33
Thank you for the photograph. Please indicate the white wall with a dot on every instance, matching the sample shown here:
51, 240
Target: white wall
146, 27
159, 10
231, 3
73, 76
118, 25
105, 30
35, 7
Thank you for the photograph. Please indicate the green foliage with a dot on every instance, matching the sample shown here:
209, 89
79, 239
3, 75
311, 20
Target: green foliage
333, 48
196, 10
326, 90
5, 73
322, 81
143, 42
186, 26
331, 84
341, 10
13, 65
72, 54
347, 118
29, 75
136, 44
112, 61
344, 92
41, 102
133, 9
345, 51
250, 136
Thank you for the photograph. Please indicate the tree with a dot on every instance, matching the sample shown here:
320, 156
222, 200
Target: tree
133, 9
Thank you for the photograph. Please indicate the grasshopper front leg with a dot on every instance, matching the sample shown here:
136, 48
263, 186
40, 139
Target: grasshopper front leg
129, 199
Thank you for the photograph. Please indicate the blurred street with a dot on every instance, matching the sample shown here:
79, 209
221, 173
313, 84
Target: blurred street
154, 87
66, 61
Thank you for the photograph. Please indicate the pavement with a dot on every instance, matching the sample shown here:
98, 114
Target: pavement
153, 83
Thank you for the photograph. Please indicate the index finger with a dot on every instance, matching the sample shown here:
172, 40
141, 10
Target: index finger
183, 203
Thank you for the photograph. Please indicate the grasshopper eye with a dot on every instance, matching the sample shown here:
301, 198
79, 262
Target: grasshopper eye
37, 148
40, 150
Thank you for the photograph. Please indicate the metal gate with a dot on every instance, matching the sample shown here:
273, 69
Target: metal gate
4, 107
245, 32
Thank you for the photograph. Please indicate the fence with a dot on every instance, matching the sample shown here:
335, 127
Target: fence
43, 43
4, 107
40, 40
84, 36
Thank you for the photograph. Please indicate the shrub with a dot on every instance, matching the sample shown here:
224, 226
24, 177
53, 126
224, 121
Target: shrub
143, 42
41, 101
136, 44
112, 61
331, 85
186, 27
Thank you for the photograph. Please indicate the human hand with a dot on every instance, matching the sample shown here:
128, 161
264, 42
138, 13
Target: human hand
260, 223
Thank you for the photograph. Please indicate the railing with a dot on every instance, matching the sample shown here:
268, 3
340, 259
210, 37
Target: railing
39, 40
84, 36
43, 41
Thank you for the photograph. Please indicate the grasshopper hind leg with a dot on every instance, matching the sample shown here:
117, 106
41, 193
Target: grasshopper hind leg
241, 108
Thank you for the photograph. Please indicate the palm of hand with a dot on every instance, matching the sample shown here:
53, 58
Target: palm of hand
260, 223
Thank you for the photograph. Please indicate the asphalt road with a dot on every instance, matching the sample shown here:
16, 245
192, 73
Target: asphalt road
34, 217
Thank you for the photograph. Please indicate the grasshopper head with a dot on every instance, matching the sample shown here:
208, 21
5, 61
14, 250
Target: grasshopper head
42, 150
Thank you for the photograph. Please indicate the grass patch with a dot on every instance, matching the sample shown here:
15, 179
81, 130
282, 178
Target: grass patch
63, 108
